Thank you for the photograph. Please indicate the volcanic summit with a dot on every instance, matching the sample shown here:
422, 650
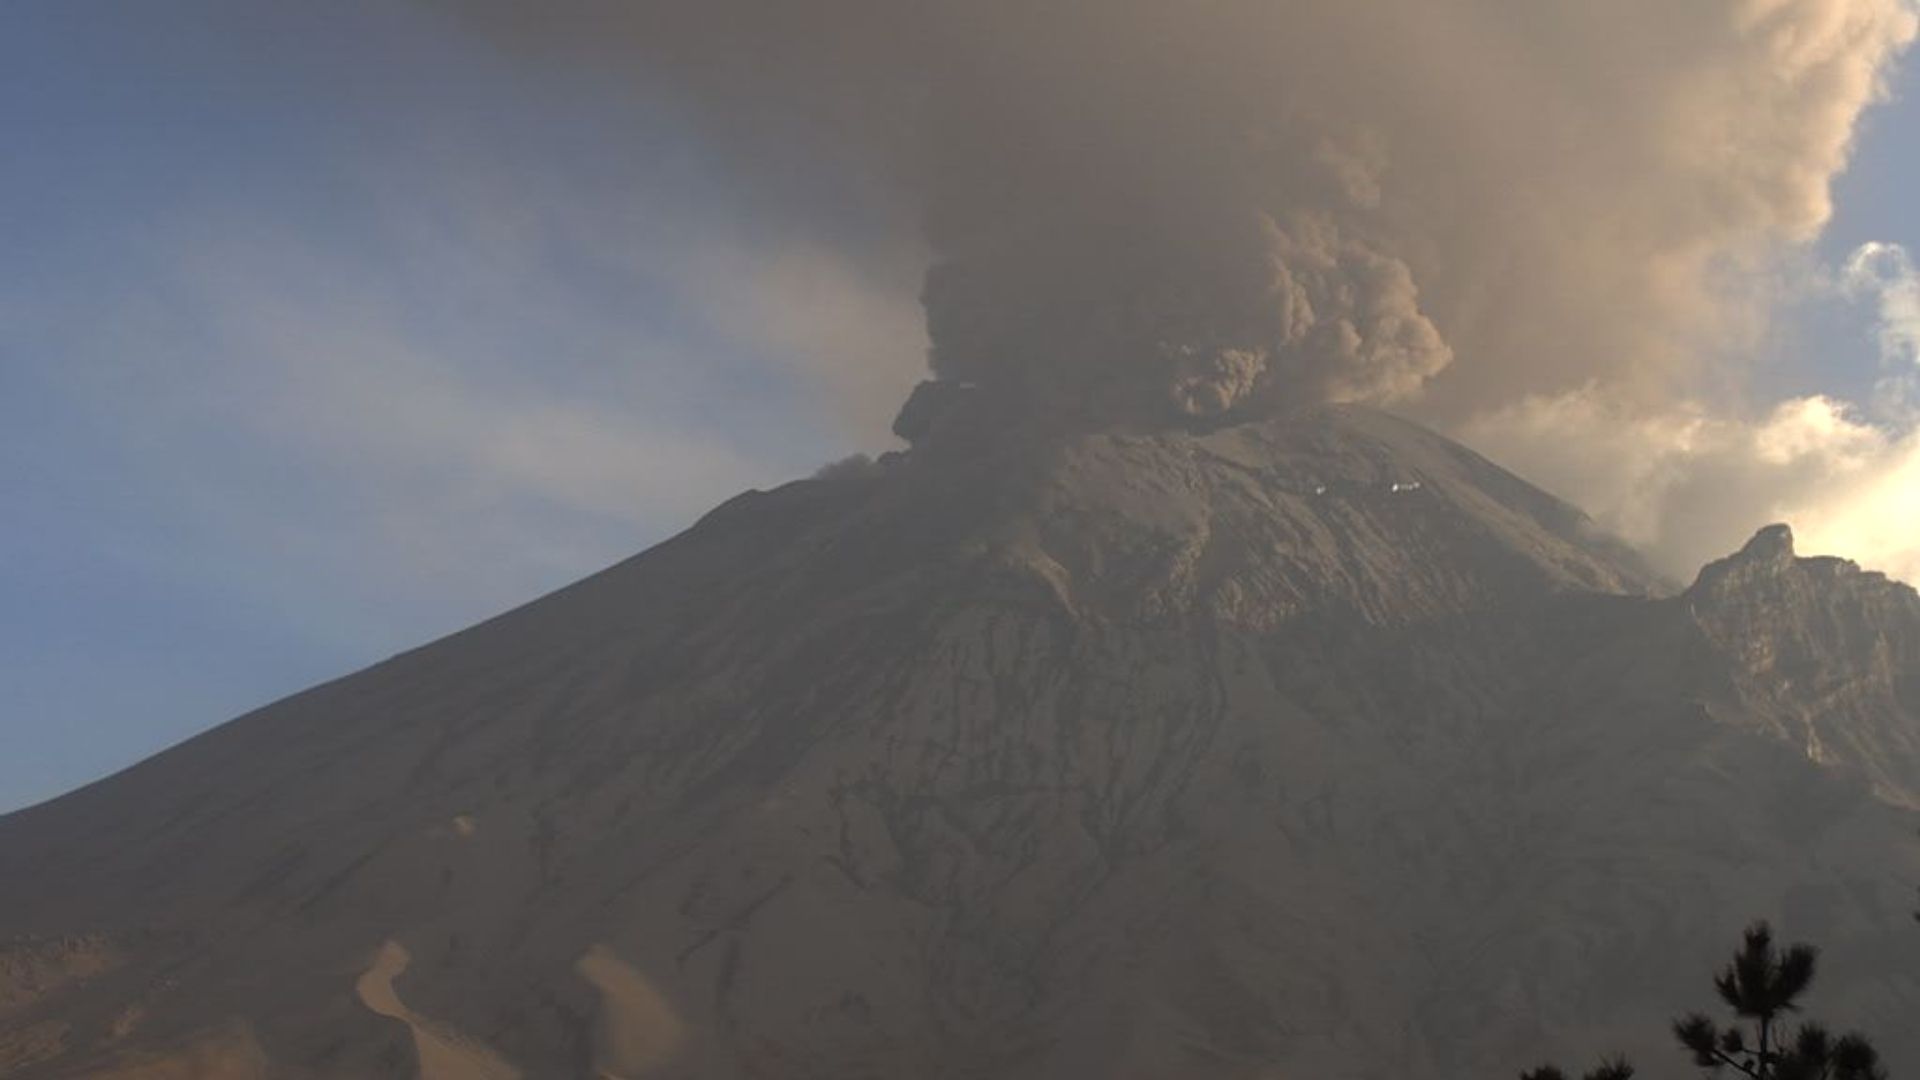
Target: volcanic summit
1311, 746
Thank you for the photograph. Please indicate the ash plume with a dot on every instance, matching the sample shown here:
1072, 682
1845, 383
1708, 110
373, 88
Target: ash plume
1138, 210
1194, 209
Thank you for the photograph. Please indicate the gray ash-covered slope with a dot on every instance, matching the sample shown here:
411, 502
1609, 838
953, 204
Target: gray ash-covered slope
1318, 747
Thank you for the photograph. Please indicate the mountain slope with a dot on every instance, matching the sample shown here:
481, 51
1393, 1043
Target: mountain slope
1828, 656
1314, 747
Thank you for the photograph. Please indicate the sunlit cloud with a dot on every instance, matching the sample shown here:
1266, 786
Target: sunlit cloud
1884, 275
1690, 484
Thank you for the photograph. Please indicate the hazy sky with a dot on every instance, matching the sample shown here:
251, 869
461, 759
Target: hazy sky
322, 332
325, 329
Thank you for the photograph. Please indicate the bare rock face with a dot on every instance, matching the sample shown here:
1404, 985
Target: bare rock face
1828, 654
1315, 747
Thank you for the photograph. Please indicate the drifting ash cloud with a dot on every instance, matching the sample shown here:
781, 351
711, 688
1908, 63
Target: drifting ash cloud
1687, 483
1507, 216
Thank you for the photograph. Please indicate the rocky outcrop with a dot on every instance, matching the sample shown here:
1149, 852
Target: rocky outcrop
1827, 657
1316, 747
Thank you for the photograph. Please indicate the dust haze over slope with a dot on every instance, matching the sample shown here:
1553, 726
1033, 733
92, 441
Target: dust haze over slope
1480, 207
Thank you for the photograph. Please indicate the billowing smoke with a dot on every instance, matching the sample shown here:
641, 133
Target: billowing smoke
1150, 210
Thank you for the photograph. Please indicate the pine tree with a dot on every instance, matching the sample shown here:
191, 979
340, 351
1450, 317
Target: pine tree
1762, 985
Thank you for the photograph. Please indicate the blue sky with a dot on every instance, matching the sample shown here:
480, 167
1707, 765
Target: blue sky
325, 330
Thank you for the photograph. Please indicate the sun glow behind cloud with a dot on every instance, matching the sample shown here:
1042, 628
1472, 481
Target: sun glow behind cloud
1689, 485
1688, 482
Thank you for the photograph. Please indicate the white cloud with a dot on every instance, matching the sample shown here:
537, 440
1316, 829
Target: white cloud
1689, 485
1689, 482
1884, 274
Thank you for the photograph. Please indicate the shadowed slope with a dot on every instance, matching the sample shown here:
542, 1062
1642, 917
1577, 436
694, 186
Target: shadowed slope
1318, 744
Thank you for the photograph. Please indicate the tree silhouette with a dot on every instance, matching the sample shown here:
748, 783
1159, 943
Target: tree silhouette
1614, 1069
1762, 985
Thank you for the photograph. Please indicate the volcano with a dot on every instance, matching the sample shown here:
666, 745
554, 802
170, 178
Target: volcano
1311, 747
